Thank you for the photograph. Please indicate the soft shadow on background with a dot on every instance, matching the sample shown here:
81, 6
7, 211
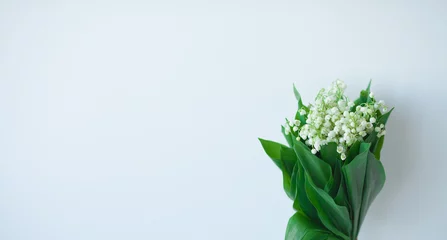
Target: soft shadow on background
400, 164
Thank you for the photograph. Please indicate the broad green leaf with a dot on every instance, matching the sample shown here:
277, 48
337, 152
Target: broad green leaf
302, 202
364, 147
334, 217
378, 113
341, 198
329, 185
373, 184
330, 155
289, 159
372, 138
289, 137
320, 235
384, 118
352, 153
301, 227
354, 175
319, 170
288, 156
294, 182
273, 150
378, 147
377, 143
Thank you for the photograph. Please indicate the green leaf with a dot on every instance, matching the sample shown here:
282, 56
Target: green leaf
294, 181
289, 137
384, 118
273, 150
302, 202
373, 184
301, 227
377, 143
368, 89
378, 147
363, 147
319, 170
330, 155
340, 198
298, 97
372, 138
364, 97
354, 176
300, 117
352, 152
334, 217
288, 157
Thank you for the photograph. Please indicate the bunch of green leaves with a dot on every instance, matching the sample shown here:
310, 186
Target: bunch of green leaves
331, 197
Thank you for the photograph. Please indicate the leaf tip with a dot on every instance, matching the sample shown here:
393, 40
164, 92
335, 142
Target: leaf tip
369, 85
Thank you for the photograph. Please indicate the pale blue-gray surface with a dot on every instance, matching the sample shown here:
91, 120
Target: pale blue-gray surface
139, 119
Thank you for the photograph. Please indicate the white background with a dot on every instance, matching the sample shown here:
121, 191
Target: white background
139, 119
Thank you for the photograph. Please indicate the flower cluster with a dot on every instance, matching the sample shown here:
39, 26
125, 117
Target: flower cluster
333, 118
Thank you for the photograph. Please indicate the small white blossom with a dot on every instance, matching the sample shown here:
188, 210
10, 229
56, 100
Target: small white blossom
371, 95
363, 123
330, 119
382, 133
332, 134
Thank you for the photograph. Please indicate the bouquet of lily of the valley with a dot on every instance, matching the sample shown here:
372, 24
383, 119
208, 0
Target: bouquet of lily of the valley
331, 167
